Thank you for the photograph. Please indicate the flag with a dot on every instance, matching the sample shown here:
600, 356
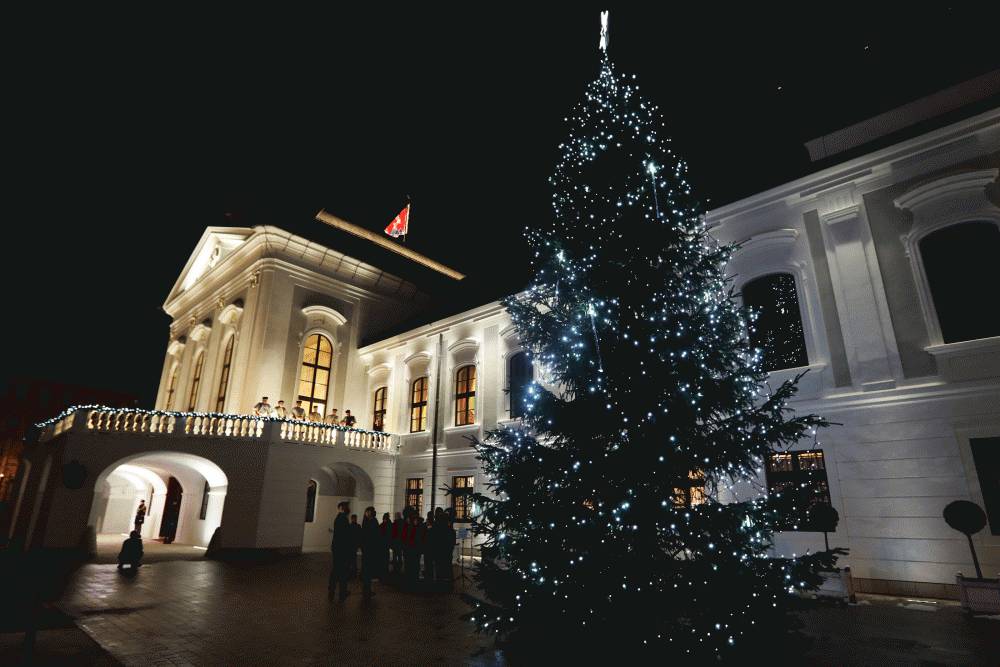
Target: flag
400, 225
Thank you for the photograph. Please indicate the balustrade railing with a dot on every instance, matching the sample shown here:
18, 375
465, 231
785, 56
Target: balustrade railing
112, 420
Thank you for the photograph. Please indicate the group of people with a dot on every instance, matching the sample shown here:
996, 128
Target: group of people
265, 409
394, 546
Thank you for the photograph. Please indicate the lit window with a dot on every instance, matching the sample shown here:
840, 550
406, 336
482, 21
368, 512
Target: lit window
418, 406
798, 482
196, 381
465, 396
519, 377
378, 418
958, 286
227, 360
172, 387
461, 497
692, 492
778, 329
314, 374
415, 494
311, 501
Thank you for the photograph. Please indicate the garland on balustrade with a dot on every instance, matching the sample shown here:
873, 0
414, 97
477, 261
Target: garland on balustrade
173, 413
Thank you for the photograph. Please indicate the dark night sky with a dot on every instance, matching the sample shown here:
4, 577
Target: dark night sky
126, 143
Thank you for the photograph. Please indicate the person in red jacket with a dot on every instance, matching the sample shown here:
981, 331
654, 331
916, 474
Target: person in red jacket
411, 549
396, 542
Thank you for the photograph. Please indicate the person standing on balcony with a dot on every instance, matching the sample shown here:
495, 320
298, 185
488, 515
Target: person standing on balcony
332, 419
298, 412
263, 409
349, 419
281, 412
315, 416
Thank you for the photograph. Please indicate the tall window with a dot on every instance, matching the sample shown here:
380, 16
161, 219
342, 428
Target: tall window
461, 497
465, 396
800, 478
227, 360
314, 376
203, 512
692, 490
778, 329
986, 456
960, 263
196, 381
519, 377
378, 417
415, 494
418, 406
172, 387
311, 501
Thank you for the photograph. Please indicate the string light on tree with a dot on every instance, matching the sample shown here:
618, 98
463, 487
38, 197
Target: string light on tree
628, 500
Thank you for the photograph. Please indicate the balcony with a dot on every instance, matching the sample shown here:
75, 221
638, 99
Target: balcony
154, 424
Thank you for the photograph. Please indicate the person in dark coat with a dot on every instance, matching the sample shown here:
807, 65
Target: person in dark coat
356, 536
131, 552
343, 548
396, 542
427, 539
140, 516
411, 549
385, 531
444, 546
372, 552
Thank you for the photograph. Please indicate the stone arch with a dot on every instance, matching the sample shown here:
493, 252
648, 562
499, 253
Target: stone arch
336, 482
145, 475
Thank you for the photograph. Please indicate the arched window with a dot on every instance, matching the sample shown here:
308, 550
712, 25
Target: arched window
778, 329
311, 501
518, 379
314, 376
465, 395
960, 264
378, 417
199, 363
227, 360
418, 406
172, 387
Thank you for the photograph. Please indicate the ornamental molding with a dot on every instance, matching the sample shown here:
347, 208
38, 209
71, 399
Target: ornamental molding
381, 369
201, 331
464, 345
176, 347
846, 214
230, 315
325, 314
417, 357
970, 185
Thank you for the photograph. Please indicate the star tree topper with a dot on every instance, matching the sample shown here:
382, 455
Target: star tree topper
604, 31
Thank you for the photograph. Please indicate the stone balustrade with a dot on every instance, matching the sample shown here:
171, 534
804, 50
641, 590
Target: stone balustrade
150, 423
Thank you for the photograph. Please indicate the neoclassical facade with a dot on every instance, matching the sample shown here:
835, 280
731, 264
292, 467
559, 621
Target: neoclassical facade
847, 266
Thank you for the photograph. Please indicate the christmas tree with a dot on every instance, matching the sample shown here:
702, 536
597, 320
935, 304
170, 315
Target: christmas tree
626, 509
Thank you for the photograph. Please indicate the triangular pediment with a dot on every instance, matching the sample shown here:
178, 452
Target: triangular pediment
216, 244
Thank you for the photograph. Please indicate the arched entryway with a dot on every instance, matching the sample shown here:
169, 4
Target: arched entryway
184, 494
323, 491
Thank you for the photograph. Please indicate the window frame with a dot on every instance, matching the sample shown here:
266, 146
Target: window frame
419, 406
466, 417
379, 408
198, 369
175, 372
798, 304
460, 495
415, 492
312, 400
796, 476
512, 413
224, 374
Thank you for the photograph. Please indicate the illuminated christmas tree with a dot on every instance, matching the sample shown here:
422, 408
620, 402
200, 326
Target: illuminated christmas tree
626, 511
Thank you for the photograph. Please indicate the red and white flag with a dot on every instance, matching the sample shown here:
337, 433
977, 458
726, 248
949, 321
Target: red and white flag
400, 225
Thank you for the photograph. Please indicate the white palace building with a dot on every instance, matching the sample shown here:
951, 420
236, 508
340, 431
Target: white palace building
912, 380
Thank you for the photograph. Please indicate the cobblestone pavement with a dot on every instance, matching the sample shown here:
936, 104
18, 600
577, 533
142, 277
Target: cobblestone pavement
209, 613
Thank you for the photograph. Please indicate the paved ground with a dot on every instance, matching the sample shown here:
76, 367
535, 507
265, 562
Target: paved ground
108, 547
209, 613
